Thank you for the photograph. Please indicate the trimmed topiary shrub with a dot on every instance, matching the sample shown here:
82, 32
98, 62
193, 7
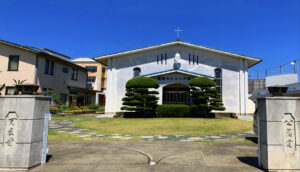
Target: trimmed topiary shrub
139, 98
205, 96
176, 111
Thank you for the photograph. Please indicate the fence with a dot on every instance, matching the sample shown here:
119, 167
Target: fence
287, 68
257, 79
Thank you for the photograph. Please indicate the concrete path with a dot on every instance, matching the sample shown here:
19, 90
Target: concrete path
65, 126
150, 156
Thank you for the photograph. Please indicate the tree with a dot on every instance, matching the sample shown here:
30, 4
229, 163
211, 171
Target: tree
205, 95
1, 88
19, 82
138, 97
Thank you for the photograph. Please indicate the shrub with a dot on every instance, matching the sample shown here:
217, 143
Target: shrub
142, 82
94, 106
176, 111
139, 98
55, 99
205, 95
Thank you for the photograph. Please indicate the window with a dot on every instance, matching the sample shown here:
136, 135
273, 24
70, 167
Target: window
63, 98
91, 79
51, 67
189, 59
193, 59
65, 70
158, 78
136, 72
218, 79
74, 74
10, 91
161, 58
103, 70
197, 60
91, 69
13, 63
166, 58
46, 67
157, 59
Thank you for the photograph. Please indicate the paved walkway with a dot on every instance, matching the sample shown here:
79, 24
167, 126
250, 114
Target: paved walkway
65, 126
161, 156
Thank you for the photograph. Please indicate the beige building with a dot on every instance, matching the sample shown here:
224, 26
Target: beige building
47, 69
97, 74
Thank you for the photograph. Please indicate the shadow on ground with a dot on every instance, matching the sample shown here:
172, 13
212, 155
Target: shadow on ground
252, 161
252, 139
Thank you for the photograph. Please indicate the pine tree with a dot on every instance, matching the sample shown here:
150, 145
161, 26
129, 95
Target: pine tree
139, 98
205, 95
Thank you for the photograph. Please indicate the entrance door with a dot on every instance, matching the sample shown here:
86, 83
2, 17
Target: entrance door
176, 94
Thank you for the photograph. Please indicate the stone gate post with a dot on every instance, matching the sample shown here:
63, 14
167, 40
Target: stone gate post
279, 132
21, 130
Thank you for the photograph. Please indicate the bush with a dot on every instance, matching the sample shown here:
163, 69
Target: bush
176, 111
139, 98
56, 99
142, 82
94, 106
205, 96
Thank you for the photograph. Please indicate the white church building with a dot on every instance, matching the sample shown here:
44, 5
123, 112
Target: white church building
173, 65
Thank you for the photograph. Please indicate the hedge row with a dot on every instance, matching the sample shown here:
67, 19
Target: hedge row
176, 111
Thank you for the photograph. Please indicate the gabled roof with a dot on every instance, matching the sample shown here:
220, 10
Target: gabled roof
251, 60
44, 51
176, 71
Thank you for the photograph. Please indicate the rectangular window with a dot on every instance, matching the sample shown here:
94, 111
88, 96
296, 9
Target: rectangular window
166, 58
91, 79
10, 91
13, 63
46, 67
91, 69
51, 67
65, 70
189, 59
74, 75
63, 98
193, 59
161, 58
103, 70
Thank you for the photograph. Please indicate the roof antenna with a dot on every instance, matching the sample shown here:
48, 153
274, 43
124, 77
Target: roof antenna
178, 30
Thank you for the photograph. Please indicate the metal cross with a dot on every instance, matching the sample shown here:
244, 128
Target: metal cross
178, 30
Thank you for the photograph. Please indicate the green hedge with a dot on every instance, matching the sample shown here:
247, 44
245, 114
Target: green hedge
176, 111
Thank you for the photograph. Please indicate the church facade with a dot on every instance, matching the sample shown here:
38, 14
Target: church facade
173, 65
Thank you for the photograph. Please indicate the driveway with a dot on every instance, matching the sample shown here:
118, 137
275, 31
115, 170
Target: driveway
162, 155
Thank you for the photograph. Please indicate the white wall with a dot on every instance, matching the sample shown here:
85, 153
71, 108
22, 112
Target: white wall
283, 79
234, 71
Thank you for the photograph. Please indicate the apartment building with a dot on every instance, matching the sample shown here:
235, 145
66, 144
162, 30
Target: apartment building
47, 69
97, 75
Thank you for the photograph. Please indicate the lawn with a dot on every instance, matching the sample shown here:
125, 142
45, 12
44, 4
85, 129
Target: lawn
166, 126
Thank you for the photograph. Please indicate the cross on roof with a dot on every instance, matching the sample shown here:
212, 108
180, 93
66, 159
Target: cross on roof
178, 30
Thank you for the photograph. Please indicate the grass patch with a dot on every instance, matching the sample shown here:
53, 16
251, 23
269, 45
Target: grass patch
70, 117
166, 126
55, 135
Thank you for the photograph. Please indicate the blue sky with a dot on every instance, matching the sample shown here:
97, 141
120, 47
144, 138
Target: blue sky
267, 29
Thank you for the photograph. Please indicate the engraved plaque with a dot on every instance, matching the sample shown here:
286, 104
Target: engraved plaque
288, 133
10, 132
